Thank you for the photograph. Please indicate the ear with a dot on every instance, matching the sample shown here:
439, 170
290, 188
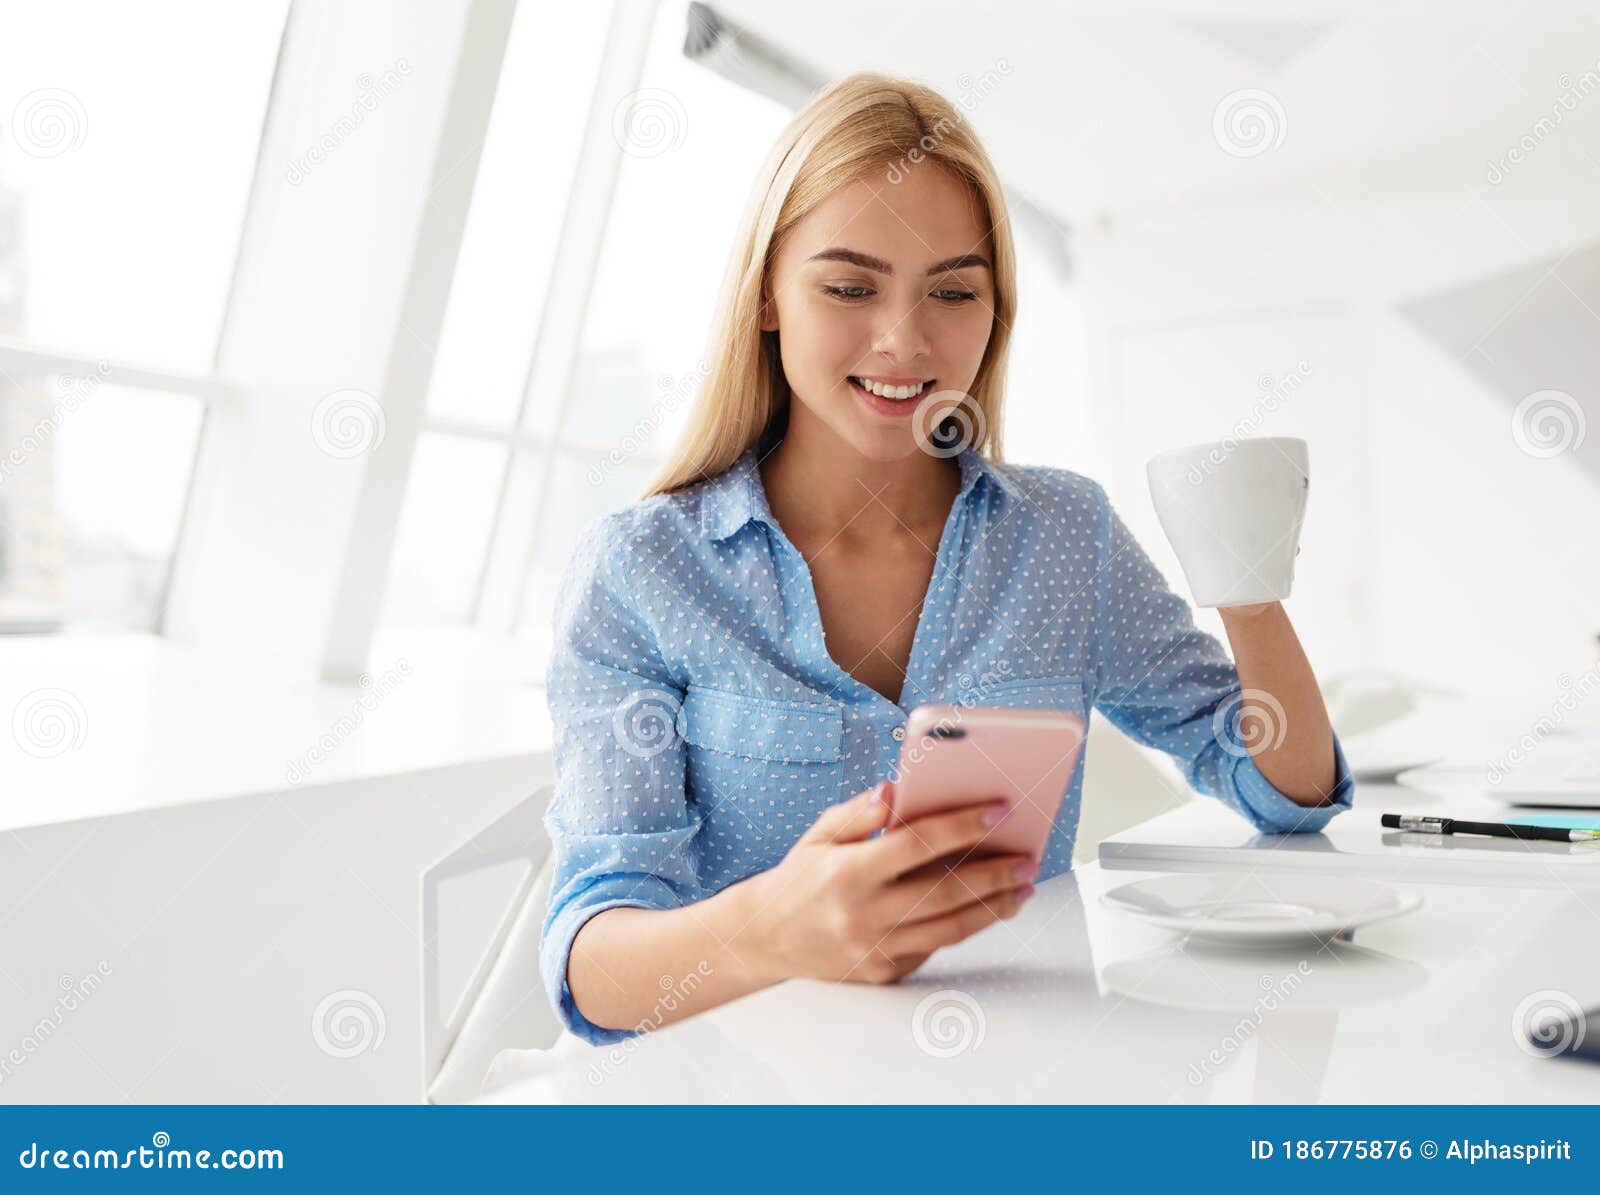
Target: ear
768, 315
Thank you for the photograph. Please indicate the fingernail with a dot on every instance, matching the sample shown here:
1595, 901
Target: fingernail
878, 791
994, 816
1025, 893
1025, 871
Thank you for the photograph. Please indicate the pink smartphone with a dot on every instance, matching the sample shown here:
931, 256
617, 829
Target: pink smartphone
960, 755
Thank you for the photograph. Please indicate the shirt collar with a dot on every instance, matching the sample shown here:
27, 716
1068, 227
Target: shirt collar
737, 497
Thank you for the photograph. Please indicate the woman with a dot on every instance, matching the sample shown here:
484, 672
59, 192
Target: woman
833, 542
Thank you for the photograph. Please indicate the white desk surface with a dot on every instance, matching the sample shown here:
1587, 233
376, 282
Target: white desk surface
1078, 1003
112, 724
1205, 836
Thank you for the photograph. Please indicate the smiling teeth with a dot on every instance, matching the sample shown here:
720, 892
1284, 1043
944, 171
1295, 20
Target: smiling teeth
898, 393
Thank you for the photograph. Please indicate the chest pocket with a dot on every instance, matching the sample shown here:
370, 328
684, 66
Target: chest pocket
760, 769
761, 727
1035, 693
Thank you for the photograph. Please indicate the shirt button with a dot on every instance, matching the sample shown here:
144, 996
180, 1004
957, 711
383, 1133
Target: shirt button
899, 732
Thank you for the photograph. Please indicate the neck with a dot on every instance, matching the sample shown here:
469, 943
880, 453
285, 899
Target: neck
819, 485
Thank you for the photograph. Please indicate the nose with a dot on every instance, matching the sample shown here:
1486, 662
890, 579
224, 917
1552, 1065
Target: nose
901, 336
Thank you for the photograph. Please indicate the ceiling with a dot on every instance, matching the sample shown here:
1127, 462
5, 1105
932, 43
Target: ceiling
1104, 108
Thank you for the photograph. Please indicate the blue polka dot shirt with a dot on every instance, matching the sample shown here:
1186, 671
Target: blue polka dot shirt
701, 725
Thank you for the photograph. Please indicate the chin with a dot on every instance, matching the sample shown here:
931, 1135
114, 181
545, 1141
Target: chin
879, 440
877, 443
904, 445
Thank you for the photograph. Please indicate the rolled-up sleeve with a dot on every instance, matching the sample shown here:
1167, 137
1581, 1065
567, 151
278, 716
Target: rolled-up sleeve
619, 821
1167, 684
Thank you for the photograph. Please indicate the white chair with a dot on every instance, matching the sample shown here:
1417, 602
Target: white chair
501, 1004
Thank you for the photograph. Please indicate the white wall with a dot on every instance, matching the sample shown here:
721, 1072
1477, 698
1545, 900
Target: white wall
1433, 545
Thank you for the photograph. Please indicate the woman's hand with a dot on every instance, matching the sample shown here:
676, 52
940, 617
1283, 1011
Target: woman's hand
845, 906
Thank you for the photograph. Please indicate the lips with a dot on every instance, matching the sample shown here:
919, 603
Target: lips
894, 408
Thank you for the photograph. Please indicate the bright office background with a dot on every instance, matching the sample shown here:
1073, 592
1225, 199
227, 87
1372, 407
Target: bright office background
1371, 225
324, 326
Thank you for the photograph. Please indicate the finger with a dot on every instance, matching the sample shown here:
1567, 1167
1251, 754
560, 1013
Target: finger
852, 820
905, 966
955, 926
939, 889
888, 968
921, 840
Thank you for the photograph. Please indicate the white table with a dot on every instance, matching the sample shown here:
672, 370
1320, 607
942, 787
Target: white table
1203, 836
102, 725
1073, 1002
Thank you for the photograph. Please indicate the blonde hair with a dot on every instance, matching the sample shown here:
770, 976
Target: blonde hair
862, 123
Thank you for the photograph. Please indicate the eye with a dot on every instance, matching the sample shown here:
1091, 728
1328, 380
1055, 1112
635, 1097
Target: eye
954, 296
848, 292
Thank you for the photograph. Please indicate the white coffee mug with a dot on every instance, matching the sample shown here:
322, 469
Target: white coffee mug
1233, 511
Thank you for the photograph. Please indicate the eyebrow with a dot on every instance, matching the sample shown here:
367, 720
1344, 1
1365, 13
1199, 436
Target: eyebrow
867, 262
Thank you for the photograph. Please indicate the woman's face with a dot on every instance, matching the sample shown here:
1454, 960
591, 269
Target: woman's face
884, 286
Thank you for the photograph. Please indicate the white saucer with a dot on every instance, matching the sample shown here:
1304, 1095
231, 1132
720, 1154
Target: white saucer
1249, 908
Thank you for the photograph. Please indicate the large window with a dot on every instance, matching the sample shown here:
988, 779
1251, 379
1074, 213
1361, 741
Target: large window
126, 161
690, 143
461, 477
